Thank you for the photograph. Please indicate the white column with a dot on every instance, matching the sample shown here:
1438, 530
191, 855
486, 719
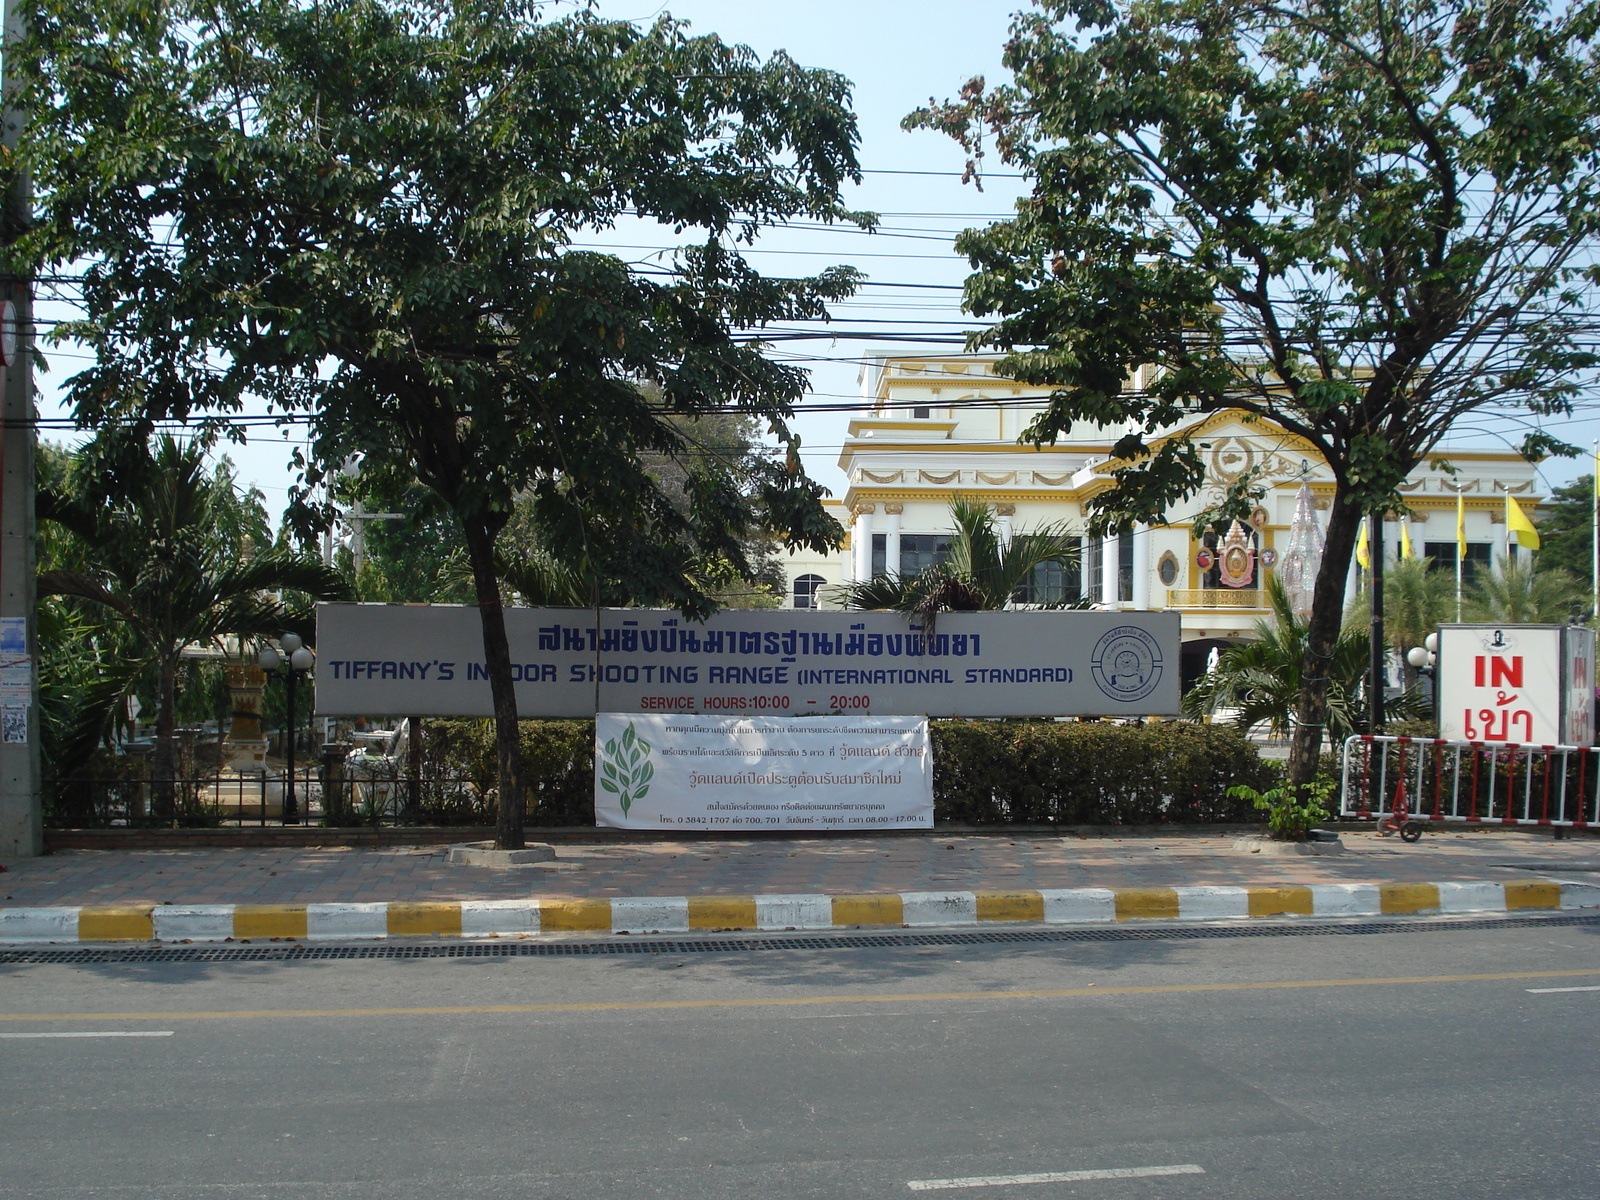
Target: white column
1141, 566
891, 539
1110, 556
1085, 558
1351, 582
861, 542
1002, 521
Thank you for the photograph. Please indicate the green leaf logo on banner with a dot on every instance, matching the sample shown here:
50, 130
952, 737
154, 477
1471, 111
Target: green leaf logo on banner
625, 769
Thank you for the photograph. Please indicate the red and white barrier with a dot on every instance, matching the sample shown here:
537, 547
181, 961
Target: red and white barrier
1488, 783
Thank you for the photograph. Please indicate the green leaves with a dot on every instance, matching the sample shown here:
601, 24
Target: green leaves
625, 768
367, 210
1361, 222
1356, 220
980, 570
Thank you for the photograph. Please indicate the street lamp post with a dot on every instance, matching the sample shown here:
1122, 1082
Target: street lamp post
299, 661
1425, 658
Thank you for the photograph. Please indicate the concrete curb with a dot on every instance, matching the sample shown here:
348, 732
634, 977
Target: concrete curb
685, 914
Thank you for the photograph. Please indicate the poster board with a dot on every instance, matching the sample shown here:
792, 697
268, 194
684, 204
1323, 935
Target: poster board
693, 773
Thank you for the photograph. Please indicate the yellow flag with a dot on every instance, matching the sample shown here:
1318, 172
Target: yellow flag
1406, 549
1362, 557
1461, 527
1517, 522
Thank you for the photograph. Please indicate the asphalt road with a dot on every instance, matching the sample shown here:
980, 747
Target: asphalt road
1383, 1065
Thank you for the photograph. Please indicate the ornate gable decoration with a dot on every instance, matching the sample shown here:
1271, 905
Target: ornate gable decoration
1236, 558
1231, 444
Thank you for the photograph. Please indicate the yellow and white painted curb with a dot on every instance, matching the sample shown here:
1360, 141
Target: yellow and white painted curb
685, 914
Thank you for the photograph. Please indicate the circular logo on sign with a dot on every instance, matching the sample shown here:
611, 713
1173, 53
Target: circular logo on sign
1126, 664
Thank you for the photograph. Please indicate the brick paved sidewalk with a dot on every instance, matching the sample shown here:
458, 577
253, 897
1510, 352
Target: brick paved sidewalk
830, 865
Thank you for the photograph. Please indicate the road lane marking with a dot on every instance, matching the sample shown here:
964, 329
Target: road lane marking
467, 1010
976, 1181
1547, 991
95, 1033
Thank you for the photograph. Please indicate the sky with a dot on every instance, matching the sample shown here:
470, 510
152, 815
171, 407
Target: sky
898, 54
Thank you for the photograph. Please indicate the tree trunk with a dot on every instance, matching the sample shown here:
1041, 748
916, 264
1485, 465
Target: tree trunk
1327, 615
163, 789
497, 662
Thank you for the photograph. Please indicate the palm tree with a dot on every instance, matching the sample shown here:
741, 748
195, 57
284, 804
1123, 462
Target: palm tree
982, 570
154, 558
1261, 678
1416, 600
1518, 592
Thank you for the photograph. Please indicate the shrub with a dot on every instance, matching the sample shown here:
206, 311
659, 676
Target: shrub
1291, 812
557, 758
1091, 773
984, 772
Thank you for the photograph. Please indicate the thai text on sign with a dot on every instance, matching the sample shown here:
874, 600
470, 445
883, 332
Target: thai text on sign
755, 773
427, 660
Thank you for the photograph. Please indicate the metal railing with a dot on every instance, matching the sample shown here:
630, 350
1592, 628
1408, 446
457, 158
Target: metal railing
342, 789
1472, 782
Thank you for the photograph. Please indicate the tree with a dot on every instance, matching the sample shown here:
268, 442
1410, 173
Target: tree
982, 570
1261, 678
1523, 591
420, 556
1360, 221
370, 210
157, 558
1417, 599
1566, 529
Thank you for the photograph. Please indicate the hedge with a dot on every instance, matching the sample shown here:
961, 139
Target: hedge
984, 772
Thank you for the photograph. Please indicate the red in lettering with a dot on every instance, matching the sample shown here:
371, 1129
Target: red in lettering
1506, 672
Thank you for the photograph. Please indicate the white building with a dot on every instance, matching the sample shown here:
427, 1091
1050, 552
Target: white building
943, 426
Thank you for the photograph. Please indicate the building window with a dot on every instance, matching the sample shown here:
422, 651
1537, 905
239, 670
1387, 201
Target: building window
1092, 549
1442, 557
921, 413
1125, 565
919, 551
880, 554
805, 590
1051, 583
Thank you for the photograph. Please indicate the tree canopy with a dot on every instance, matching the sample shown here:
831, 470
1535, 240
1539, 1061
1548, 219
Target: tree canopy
379, 214
1566, 528
1361, 221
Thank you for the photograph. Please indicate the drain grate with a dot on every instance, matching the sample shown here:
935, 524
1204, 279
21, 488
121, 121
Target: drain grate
300, 952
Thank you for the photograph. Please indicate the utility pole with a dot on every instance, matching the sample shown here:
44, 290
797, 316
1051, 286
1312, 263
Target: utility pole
21, 812
1379, 651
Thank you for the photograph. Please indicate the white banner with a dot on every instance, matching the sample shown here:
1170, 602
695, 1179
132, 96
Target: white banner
754, 773
427, 661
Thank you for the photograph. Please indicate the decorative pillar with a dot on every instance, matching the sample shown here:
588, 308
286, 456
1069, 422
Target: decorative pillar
1110, 559
245, 748
891, 539
861, 541
1003, 514
333, 783
1141, 566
